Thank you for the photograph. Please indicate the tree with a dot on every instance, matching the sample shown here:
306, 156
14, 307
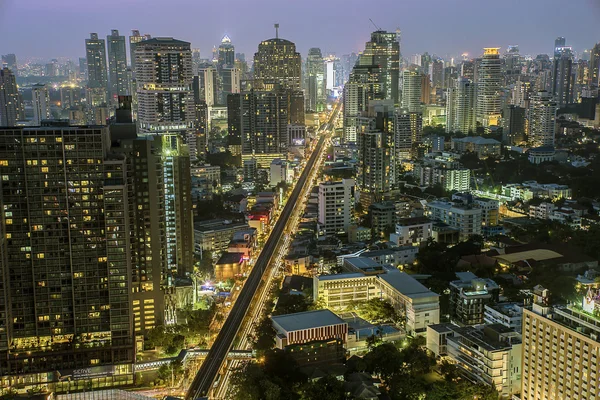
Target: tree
449, 371
377, 310
291, 304
383, 360
326, 388
263, 338
171, 372
374, 340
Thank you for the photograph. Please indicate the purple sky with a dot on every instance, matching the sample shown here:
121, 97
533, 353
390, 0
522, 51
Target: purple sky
47, 29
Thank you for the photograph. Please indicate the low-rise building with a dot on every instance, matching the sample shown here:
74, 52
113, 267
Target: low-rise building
358, 233
488, 354
412, 231
214, 235
335, 200
542, 210
383, 217
437, 338
312, 337
508, 314
483, 147
229, 265
243, 242
466, 218
278, 172
541, 154
468, 297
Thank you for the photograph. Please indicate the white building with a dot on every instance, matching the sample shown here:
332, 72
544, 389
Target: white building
542, 210
460, 107
412, 231
335, 206
278, 172
542, 119
466, 219
508, 314
41, 103
483, 147
411, 91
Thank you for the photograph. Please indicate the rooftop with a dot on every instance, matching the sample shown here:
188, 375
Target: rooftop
230, 258
406, 284
306, 320
216, 224
476, 140
492, 337
413, 221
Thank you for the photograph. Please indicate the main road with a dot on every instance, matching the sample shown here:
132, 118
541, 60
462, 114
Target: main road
202, 383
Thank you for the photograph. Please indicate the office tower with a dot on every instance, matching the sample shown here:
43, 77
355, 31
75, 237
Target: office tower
408, 130
164, 86
331, 72
52, 68
316, 85
83, 68
147, 218
335, 206
560, 348
467, 70
563, 77
541, 119
41, 103
264, 126
230, 82
461, 107
226, 55
196, 61
278, 62
383, 51
426, 90
437, 74
489, 86
11, 108
234, 123
117, 65
376, 158
355, 100
559, 43
134, 39
66, 286
207, 75
95, 50
513, 125
411, 91
10, 61
594, 74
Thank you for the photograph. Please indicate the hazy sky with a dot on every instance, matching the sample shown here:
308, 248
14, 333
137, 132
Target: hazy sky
58, 28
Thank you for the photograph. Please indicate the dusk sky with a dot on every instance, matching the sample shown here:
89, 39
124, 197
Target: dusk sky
48, 29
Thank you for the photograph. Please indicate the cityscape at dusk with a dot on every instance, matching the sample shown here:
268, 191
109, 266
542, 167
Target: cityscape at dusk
315, 200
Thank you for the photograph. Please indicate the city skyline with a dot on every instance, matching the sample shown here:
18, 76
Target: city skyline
249, 23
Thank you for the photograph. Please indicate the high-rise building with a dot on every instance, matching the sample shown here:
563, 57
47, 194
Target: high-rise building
461, 107
594, 74
264, 126
542, 119
95, 51
10, 61
231, 82
316, 85
376, 153
467, 70
383, 51
277, 62
66, 286
560, 348
411, 91
408, 129
134, 39
164, 86
559, 43
563, 77
117, 65
40, 99
207, 75
234, 123
147, 221
437, 74
196, 61
226, 53
489, 88
357, 93
11, 107
335, 206
513, 125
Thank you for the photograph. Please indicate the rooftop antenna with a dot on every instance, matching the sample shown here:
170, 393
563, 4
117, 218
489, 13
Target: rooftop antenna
276, 31
375, 25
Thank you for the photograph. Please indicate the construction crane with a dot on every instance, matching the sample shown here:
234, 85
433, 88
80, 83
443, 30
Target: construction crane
375, 25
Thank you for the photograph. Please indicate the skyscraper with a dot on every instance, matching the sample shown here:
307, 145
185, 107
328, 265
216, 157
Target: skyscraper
11, 108
408, 129
230, 82
66, 286
10, 62
489, 86
95, 51
315, 81
411, 90
383, 51
542, 119
277, 62
563, 77
437, 74
117, 65
559, 43
594, 74
207, 75
513, 125
234, 123
226, 53
461, 106
164, 86
41, 103
264, 126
